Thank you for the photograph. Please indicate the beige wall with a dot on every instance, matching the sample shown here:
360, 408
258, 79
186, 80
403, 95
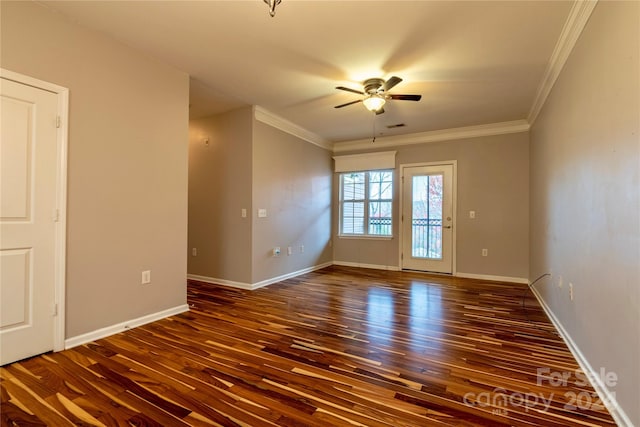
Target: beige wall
220, 182
250, 165
127, 172
292, 181
493, 180
585, 197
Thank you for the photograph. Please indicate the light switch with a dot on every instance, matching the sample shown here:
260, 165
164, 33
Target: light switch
262, 213
472, 214
243, 213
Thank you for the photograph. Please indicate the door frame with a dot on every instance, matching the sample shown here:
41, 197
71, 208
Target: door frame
454, 204
60, 216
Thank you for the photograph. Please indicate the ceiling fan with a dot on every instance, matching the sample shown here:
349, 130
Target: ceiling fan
376, 94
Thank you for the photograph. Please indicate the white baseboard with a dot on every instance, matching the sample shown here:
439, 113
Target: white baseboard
606, 396
464, 275
121, 327
361, 265
216, 281
290, 275
522, 280
257, 285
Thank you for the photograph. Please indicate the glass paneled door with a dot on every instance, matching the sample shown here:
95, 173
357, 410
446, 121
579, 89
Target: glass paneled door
427, 218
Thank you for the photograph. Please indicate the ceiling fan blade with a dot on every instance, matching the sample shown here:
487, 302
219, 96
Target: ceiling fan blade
380, 111
391, 83
406, 97
349, 90
348, 103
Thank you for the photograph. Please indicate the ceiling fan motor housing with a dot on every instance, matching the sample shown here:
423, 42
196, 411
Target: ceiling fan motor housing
373, 86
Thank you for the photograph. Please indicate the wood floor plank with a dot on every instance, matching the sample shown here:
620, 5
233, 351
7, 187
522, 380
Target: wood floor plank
335, 347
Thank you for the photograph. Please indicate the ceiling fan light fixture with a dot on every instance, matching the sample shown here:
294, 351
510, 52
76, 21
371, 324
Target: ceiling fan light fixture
374, 102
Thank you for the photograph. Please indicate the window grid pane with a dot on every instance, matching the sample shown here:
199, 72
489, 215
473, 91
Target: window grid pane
353, 217
426, 223
353, 186
380, 218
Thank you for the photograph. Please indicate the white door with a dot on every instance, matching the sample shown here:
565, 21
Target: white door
28, 147
427, 218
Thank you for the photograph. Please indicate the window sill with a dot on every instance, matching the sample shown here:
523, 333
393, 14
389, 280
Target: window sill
363, 237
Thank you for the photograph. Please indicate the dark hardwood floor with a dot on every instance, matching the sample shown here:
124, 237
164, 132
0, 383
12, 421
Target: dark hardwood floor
339, 346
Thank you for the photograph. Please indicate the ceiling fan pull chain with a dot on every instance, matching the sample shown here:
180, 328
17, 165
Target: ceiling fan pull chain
272, 6
374, 128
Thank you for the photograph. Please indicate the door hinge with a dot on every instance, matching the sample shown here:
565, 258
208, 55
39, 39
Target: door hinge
55, 309
402, 255
56, 215
58, 122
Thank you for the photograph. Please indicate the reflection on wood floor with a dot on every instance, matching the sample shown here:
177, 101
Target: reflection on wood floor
339, 346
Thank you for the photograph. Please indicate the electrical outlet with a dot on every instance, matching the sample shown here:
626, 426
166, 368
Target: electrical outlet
146, 277
485, 252
472, 214
243, 213
571, 291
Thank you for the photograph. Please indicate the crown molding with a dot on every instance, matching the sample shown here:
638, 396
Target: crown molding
265, 116
577, 20
501, 128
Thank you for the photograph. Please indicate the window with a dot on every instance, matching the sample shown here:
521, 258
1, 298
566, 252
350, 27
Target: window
365, 203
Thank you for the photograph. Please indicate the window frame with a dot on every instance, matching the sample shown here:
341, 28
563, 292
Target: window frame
367, 206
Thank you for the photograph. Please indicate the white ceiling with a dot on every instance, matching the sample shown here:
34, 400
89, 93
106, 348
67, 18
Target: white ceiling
474, 63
